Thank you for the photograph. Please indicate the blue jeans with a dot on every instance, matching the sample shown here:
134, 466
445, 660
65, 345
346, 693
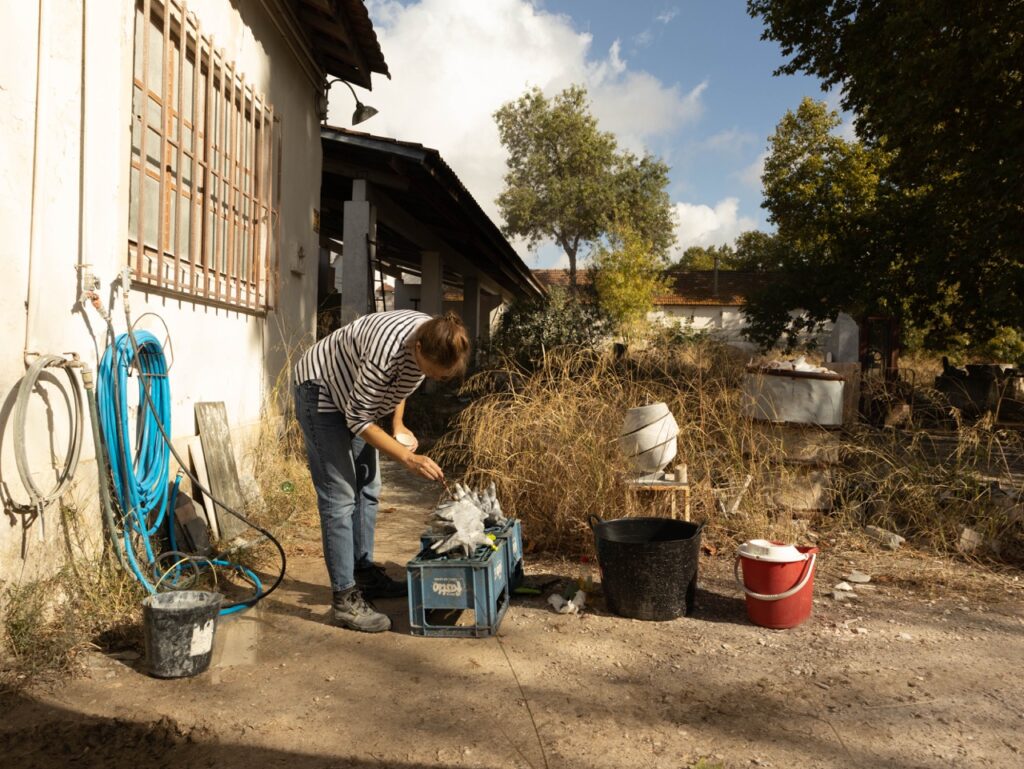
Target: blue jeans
346, 475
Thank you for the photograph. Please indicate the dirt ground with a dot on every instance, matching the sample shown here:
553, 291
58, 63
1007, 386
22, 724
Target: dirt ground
921, 670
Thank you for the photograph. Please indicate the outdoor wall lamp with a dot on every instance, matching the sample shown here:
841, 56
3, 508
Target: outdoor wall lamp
362, 112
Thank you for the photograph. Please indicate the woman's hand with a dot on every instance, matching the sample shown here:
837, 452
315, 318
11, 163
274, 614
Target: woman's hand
423, 466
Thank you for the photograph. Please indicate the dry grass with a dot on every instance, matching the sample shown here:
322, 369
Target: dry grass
282, 495
921, 367
548, 440
930, 485
48, 624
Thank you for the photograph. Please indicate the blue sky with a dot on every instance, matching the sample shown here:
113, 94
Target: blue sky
709, 41
690, 81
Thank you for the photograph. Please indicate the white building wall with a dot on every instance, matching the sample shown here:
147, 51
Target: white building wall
64, 162
726, 323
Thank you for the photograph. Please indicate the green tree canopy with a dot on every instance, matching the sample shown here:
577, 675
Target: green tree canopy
752, 251
565, 177
703, 258
627, 275
822, 193
757, 251
939, 86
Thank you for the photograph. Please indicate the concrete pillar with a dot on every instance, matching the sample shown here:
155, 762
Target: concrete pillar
471, 306
431, 289
407, 292
490, 315
354, 278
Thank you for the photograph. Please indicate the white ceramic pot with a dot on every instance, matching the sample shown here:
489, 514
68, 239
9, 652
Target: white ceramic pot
656, 458
641, 416
649, 436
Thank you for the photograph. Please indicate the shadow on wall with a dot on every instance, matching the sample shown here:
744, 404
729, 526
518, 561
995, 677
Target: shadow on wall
46, 736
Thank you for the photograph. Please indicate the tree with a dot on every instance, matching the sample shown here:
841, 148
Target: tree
757, 251
822, 193
704, 257
642, 202
627, 275
752, 251
565, 177
939, 86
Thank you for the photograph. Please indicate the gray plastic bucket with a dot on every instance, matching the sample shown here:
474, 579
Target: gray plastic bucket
179, 631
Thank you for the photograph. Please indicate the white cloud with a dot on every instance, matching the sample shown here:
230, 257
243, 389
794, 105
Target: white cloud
702, 225
667, 15
454, 62
750, 176
846, 130
643, 39
551, 257
730, 140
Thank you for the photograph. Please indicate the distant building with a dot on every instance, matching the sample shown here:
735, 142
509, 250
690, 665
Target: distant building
706, 301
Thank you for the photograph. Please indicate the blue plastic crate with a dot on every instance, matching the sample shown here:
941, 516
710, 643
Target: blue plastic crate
511, 533
441, 588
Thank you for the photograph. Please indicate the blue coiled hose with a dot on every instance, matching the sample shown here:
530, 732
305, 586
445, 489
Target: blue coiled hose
140, 473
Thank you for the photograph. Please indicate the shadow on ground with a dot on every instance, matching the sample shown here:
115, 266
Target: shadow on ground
64, 738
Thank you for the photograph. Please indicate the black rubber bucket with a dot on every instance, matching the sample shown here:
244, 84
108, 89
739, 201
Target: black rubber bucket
648, 565
179, 629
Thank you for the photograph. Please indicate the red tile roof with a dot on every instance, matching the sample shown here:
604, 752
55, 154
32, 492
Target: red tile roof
698, 287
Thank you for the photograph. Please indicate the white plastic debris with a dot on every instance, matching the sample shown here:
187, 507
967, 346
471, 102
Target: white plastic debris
970, 540
562, 606
886, 539
797, 364
858, 577
463, 519
845, 586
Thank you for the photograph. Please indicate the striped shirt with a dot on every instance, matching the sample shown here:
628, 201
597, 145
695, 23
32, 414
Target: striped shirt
364, 369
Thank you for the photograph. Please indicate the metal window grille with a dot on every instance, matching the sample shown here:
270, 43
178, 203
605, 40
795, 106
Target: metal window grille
205, 148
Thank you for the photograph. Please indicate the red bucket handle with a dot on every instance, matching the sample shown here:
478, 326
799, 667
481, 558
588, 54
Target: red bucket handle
808, 571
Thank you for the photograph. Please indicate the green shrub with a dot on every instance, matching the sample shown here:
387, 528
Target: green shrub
561, 319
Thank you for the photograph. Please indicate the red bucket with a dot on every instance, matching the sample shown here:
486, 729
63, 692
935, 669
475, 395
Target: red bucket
778, 581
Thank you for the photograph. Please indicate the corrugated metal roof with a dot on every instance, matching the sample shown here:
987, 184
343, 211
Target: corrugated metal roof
687, 287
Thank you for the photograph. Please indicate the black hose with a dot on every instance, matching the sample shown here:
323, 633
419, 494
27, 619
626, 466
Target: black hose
102, 461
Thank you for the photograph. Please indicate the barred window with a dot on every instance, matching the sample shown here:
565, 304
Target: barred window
206, 210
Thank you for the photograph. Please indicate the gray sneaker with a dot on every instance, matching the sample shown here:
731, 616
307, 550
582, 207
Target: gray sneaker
351, 610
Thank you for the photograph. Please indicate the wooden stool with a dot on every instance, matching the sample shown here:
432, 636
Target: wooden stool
673, 484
